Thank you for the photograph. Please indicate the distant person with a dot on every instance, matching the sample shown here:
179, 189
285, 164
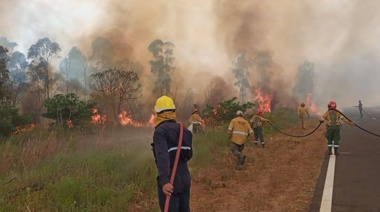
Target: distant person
332, 118
165, 145
256, 124
238, 131
360, 109
196, 120
302, 112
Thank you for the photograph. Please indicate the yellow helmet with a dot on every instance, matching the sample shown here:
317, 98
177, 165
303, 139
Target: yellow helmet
164, 103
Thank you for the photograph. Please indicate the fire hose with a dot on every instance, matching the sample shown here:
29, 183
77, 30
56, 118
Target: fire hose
174, 170
296, 136
367, 131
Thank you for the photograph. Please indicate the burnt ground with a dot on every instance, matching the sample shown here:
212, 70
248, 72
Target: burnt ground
357, 171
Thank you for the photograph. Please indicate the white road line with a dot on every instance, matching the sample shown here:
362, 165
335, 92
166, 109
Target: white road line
326, 202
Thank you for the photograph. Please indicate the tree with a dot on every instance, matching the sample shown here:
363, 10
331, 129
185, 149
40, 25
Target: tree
162, 65
67, 108
240, 70
102, 54
304, 80
116, 88
73, 67
41, 67
263, 61
224, 112
18, 83
11, 121
4, 72
7, 44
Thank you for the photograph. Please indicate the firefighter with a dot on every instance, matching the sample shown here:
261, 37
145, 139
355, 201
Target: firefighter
360, 109
238, 131
332, 118
165, 144
196, 121
302, 112
256, 124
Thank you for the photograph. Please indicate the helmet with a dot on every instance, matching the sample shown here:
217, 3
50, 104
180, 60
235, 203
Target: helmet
259, 112
195, 111
239, 113
332, 105
302, 104
164, 103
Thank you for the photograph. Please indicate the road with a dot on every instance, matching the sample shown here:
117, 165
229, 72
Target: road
356, 184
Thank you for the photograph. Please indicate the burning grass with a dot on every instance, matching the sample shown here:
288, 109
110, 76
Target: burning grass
112, 169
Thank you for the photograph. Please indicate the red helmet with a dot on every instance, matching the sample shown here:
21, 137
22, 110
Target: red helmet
332, 105
259, 112
195, 111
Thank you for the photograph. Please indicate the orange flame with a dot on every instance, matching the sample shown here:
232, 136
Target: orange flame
311, 105
96, 118
125, 119
263, 101
24, 129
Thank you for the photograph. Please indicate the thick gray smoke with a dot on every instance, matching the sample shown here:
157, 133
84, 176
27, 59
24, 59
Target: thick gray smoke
338, 37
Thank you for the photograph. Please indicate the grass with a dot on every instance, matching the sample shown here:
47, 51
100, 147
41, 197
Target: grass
113, 169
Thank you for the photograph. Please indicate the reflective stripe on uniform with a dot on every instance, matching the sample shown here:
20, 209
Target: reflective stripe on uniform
196, 122
239, 132
182, 147
335, 145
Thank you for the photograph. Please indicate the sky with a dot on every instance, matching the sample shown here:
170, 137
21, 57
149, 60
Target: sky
339, 36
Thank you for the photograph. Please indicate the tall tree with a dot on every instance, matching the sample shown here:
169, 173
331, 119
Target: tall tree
18, 82
304, 80
240, 70
73, 67
115, 88
162, 65
4, 72
41, 68
7, 44
263, 61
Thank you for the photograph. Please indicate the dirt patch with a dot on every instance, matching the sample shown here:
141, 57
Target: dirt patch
281, 177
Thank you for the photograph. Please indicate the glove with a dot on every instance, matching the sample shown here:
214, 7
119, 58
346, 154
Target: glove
321, 121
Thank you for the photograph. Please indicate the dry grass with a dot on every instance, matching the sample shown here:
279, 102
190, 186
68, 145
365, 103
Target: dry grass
280, 177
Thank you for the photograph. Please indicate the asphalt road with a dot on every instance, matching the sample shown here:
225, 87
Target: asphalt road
357, 170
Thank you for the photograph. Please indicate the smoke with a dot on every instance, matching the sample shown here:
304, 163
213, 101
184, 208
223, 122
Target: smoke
338, 37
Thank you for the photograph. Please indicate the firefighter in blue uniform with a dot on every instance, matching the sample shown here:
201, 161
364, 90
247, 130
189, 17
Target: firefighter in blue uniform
165, 143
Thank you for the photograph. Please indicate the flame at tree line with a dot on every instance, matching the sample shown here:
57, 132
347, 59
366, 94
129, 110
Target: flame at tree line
263, 101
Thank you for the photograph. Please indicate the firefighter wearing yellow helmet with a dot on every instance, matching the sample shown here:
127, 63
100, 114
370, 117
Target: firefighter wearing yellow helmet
303, 112
165, 145
195, 120
238, 131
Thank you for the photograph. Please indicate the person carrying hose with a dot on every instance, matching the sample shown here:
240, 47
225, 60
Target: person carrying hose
256, 124
165, 145
332, 118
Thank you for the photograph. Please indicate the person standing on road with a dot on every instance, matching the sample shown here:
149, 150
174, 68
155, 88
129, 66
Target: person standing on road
332, 118
302, 112
238, 131
360, 109
256, 124
165, 145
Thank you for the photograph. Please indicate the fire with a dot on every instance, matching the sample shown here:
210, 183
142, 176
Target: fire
24, 129
263, 101
125, 119
311, 105
96, 118
69, 123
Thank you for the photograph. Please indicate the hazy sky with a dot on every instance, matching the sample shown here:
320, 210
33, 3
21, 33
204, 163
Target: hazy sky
339, 36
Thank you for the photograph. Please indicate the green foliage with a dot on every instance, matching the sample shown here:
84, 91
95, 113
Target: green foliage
11, 121
63, 108
224, 112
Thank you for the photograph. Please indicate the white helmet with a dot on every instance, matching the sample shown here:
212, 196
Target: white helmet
239, 113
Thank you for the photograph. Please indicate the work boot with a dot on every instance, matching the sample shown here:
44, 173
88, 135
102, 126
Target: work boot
329, 151
336, 151
242, 159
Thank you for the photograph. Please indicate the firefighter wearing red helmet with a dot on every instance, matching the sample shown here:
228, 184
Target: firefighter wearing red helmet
195, 120
256, 124
332, 118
